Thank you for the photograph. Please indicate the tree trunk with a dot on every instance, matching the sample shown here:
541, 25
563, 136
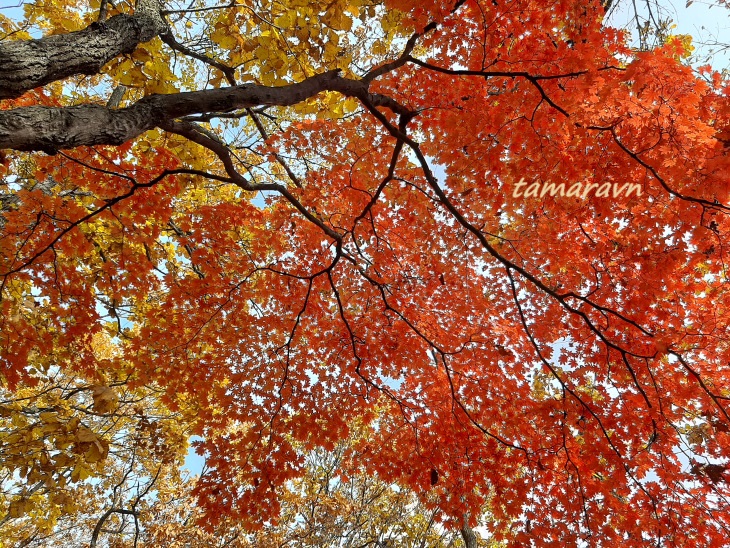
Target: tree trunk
27, 64
469, 536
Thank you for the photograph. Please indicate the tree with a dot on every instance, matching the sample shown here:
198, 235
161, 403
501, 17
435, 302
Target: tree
131, 447
338, 503
493, 220
82, 459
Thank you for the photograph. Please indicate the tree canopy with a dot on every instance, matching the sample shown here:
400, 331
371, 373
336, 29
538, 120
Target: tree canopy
482, 240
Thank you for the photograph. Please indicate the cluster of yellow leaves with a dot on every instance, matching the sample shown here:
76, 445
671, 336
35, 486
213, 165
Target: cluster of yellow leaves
65, 442
284, 42
147, 70
56, 18
11, 29
47, 447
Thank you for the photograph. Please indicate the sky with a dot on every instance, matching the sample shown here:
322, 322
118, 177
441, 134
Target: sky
706, 21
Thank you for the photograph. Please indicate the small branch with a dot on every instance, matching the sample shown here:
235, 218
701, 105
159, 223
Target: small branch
15, 267
635, 156
264, 135
116, 97
209, 8
191, 132
102, 11
169, 39
103, 518
410, 44
177, 230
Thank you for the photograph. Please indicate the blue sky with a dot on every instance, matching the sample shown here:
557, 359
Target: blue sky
706, 21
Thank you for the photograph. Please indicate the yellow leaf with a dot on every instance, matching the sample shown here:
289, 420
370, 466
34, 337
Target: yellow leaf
49, 417
96, 452
84, 435
18, 508
262, 53
105, 399
285, 21
226, 40
62, 460
79, 473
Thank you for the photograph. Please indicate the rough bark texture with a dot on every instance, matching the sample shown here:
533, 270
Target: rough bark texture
469, 536
51, 129
25, 65
33, 63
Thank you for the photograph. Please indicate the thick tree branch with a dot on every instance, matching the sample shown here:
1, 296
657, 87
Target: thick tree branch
51, 129
27, 64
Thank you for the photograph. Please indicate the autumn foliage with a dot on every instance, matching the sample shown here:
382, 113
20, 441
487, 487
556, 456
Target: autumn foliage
298, 227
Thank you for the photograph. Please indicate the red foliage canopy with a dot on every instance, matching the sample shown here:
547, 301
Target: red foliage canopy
560, 352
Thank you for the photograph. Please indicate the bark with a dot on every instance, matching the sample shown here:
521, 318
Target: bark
469, 536
467, 533
28, 64
25, 65
50, 129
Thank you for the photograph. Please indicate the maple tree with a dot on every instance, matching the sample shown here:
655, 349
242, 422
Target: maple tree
334, 503
286, 218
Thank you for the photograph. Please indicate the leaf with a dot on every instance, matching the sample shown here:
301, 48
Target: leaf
18, 508
97, 451
105, 399
85, 435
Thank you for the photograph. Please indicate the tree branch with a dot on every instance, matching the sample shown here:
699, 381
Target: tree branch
227, 71
51, 129
27, 64
102, 520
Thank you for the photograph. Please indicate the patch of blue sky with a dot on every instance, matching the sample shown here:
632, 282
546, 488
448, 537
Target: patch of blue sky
708, 23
